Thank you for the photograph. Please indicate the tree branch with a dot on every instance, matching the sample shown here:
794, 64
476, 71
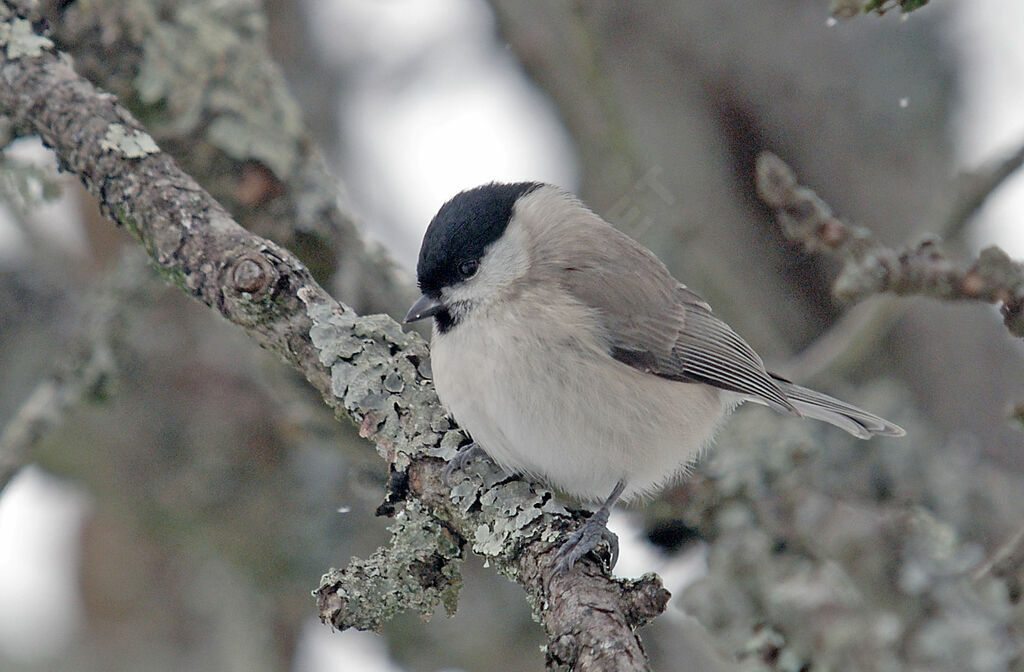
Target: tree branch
235, 128
857, 330
870, 268
366, 368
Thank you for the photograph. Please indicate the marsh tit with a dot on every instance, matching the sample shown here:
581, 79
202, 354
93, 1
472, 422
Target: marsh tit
570, 354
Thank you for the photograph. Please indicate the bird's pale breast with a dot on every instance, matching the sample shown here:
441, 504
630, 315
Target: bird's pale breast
539, 393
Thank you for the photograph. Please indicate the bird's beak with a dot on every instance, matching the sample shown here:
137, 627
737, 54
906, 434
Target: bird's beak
423, 308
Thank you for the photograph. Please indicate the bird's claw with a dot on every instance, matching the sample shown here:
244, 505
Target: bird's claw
462, 458
585, 539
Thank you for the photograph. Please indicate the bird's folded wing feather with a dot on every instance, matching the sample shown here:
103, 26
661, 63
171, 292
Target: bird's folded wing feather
658, 326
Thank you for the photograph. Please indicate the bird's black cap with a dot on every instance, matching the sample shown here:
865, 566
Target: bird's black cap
462, 229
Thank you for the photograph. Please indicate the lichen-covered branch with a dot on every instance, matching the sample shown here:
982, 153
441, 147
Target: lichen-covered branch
871, 268
367, 368
416, 571
236, 128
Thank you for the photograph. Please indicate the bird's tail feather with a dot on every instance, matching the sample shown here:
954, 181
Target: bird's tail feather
828, 409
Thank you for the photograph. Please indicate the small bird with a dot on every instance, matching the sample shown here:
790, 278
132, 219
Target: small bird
570, 354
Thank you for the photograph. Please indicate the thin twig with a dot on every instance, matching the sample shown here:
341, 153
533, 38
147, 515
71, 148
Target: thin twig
1007, 560
864, 323
870, 268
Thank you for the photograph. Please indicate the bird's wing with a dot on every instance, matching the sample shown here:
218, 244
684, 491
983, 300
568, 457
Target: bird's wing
656, 325
708, 350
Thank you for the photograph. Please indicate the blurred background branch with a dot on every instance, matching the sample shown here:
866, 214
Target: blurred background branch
847, 9
869, 268
88, 370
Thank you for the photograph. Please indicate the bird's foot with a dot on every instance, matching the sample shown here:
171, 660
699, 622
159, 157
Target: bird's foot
585, 539
462, 458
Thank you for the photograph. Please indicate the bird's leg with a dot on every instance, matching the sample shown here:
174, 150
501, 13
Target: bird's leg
590, 534
465, 455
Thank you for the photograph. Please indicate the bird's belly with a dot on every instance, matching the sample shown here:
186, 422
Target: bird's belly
557, 407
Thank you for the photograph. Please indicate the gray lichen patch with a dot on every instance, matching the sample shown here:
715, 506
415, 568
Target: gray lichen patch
20, 40
332, 334
133, 144
375, 375
416, 571
450, 440
511, 513
506, 498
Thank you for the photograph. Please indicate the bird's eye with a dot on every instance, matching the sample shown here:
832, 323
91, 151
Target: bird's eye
468, 268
